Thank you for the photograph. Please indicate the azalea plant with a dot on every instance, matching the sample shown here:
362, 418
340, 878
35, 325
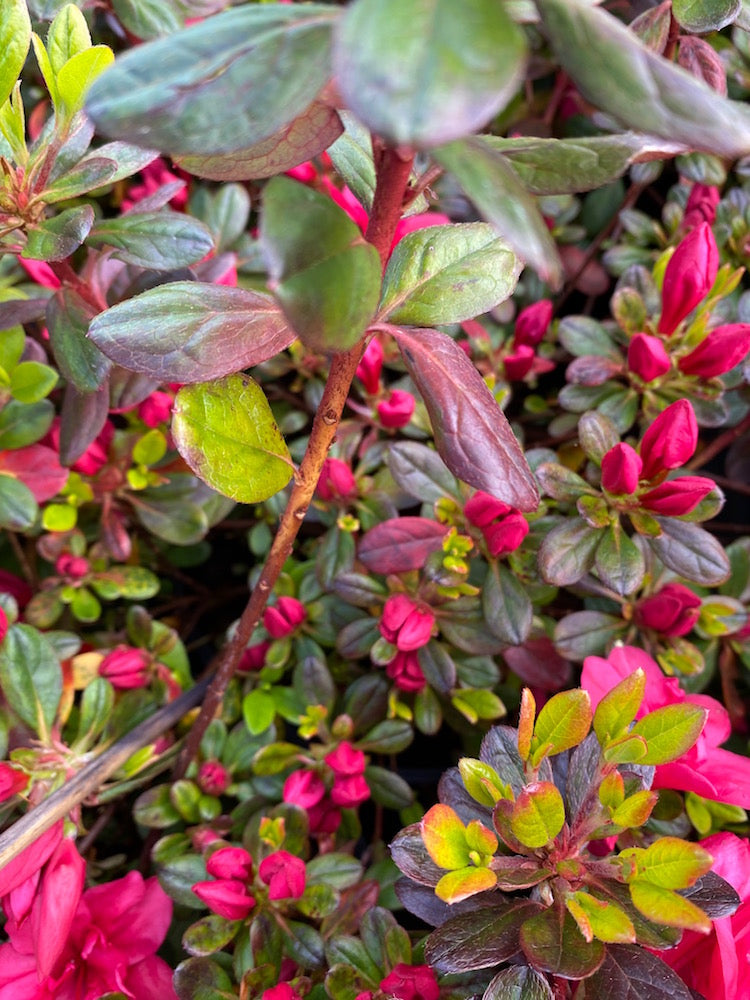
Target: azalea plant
372, 372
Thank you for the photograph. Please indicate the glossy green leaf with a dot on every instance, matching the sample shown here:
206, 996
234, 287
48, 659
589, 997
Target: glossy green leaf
32, 381
701, 16
562, 723
619, 707
202, 979
480, 938
664, 906
80, 361
587, 633
472, 435
488, 179
690, 551
438, 666
18, 508
506, 605
475, 704
258, 710
446, 274
22, 423
159, 240
629, 972
597, 918
552, 942
97, 702
635, 810
423, 73
619, 562
388, 788
83, 177
568, 551
209, 935
625, 750
77, 75
672, 863
149, 19
519, 982
226, 433
187, 331
67, 36
638, 87
31, 678
538, 814
219, 86
58, 237
351, 155
15, 38
323, 273
669, 731
481, 781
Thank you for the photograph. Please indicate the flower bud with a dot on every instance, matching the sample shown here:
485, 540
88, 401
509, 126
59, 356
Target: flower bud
126, 667
284, 874
677, 496
345, 760
283, 617
647, 357
230, 863
3, 625
336, 480
532, 322
671, 439
673, 611
482, 509
226, 896
254, 657
621, 469
213, 777
701, 206
506, 535
281, 992
396, 411
72, 567
349, 792
370, 367
718, 352
411, 982
156, 409
518, 364
11, 781
405, 672
689, 276
405, 624
303, 789
324, 818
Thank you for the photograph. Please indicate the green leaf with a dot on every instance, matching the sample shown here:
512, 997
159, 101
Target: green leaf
472, 435
438, 666
506, 605
202, 979
161, 240
80, 361
45, 66
519, 982
226, 433
619, 707
421, 472
351, 155
635, 810
67, 36
387, 788
24, 423
58, 237
664, 906
18, 508
302, 139
32, 381
476, 704
587, 633
15, 38
457, 885
691, 552
567, 552
444, 836
629, 972
552, 942
220, 86
639, 88
149, 19
672, 863
478, 939
702, 16
599, 919
97, 702
423, 73
481, 781
538, 814
446, 274
563, 722
488, 179
323, 273
209, 935
31, 678
83, 177
619, 562
669, 732
186, 331
79, 72
258, 711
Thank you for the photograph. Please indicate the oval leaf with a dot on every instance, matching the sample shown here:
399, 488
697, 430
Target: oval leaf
31, 678
158, 240
400, 544
538, 814
669, 731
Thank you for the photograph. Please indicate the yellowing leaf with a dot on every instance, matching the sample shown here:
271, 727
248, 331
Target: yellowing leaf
597, 918
444, 837
563, 722
673, 863
635, 810
538, 814
619, 707
664, 906
464, 882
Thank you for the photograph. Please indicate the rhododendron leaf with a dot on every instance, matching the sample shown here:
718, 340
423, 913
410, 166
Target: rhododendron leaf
187, 332
58, 237
619, 562
672, 863
31, 381
629, 972
149, 19
226, 433
669, 732
422, 73
351, 155
599, 919
444, 837
664, 906
464, 882
302, 139
209, 935
552, 942
472, 435
218, 86
258, 711
323, 273
438, 666
488, 179
481, 781
31, 678
619, 707
74, 79
638, 87
478, 939
18, 508
701, 16
714, 895
97, 702
690, 552
475, 704
516, 872
567, 552
538, 814
83, 177
79, 360
446, 274
563, 722
519, 982
202, 979
526, 719
627, 749
387, 788
635, 810
15, 38
158, 240
421, 472
506, 605
400, 544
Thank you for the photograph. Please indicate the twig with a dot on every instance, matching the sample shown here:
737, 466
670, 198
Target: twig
718, 445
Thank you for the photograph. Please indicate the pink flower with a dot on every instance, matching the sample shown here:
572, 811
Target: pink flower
281, 992
95, 456
336, 481
677, 496
230, 863
671, 439
325, 818
72, 567
350, 792
648, 357
12, 781
226, 896
405, 672
283, 617
503, 527
717, 965
718, 352
689, 276
396, 411
37, 467
345, 760
28, 863
518, 364
213, 777
153, 177
254, 657
3, 632
284, 874
705, 768
621, 469
126, 667
370, 367
411, 982
673, 610
16, 587
303, 789
482, 509
532, 322
701, 206
405, 623
40, 272
156, 409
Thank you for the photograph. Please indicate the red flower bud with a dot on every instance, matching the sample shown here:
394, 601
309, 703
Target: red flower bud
506, 535
230, 863
156, 409
411, 982
303, 789
73, 567
689, 276
670, 440
718, 352
406, 624
324, 818
532, 322
701, 206
677, 496
284, 874
396, 411
370, 367
254, 657
284, 617
213, 777
518, 364
405, 672
11, 781
482, 509
621, 469
647, 357
672, 611
336, 480
3, 625
349, 792
345, 760
281, 992
125, 667
226, 896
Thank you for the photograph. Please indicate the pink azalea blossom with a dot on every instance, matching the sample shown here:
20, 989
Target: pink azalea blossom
283, 617
688, 277
226, 896
405, 672
281, 992
230, 862
705, 768
336, 481
411, 982
405, 623
397, 410
11, 780
284, 874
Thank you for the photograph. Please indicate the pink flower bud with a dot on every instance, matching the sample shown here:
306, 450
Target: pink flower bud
396, 411
349, 792
532, 322
303, 789
324, 818
336, 480
281, 992
227, 897
406, 624
156, 409
11, 781
254, 657
125, 667
345, 760
3, 625
518, 364
230, 863
73, 567
677, 496
621, 469
482, 509
671, 439
718, 352
213, 777
689, 276
305, 173
647, 357
506, 535
701, 206
284, 617
405, 672
672, 611
284, 874
370, 367
411, 982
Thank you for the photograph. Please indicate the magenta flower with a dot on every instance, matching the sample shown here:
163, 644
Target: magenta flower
405, 672
284, 874
532, 323
254, 657
281, 992
157, 408
718, 352
689, 276
621, 469
213, 777
303, 789
701, 206
705, 769
126, 667
677, 496
396, 411
405, 623
370, 366
673, 610
283, 617
648, 357
411, 982
12, 781
226, 896
350, 788
230, 863
671, 439
336, 481
519, 363
503, 527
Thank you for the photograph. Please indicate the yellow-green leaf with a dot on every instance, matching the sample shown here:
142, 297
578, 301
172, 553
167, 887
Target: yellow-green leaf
15, 37
464, 882
619, 707
598, 919
67, 36
538, 814
482, 782
672, 863
669, 732
563, 722
444, 837
77, 75
664, 906
635, 810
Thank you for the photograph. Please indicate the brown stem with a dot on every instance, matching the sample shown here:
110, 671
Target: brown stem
392, 177
672, 37
719, 444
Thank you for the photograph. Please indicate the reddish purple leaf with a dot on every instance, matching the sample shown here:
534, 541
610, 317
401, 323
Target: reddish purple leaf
37, 467
471, 433
401, 544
